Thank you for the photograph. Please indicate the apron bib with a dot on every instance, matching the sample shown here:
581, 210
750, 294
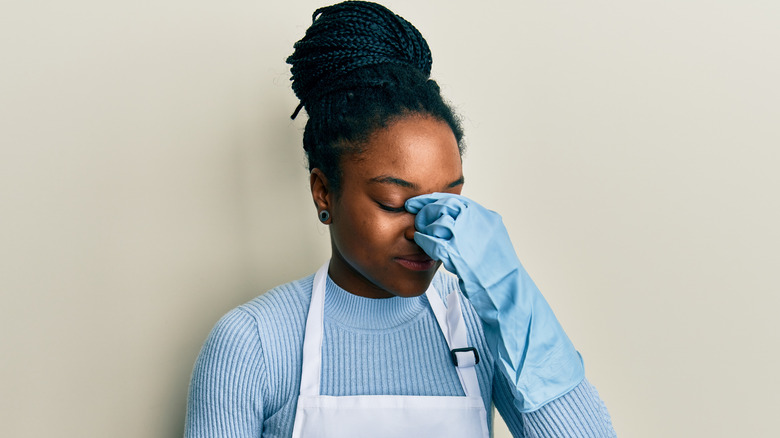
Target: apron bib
386, 416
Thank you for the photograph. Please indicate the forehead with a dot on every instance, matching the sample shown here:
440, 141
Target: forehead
418, 149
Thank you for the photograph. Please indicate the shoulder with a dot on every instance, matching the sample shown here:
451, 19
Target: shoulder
280, 303
262, 319
252, 355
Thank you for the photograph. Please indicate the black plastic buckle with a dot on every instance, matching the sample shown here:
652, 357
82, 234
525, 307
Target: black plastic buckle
460, 350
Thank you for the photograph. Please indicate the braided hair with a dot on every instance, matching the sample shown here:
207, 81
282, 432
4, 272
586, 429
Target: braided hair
359, 68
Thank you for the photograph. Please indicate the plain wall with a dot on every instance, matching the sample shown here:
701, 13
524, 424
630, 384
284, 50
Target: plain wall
151, 179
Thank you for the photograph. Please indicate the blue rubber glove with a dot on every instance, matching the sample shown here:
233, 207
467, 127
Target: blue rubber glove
530, 346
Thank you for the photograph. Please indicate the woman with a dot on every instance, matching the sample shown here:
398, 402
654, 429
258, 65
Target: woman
378, 342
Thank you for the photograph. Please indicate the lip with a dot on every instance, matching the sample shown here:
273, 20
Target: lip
416, 262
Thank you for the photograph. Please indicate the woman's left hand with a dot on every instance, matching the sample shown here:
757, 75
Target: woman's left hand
470, 240
529, 344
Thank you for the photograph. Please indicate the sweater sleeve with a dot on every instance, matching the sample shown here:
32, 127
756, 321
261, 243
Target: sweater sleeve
225, 398
578, 413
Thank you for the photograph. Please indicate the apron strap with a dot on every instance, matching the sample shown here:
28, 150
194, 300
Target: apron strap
312, 339
454, 329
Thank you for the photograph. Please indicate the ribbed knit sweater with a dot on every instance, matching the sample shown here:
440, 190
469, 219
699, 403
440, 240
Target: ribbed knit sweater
246, 379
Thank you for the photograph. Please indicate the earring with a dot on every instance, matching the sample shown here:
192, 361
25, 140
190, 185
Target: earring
324, 216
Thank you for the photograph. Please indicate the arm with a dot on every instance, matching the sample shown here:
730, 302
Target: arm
224, 398
530, 347
539, 385
578, 413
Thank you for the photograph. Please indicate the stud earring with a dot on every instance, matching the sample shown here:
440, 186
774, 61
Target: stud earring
324, 216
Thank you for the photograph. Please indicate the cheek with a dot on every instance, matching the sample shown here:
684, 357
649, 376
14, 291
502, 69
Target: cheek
371, 234
355, 228
377, 229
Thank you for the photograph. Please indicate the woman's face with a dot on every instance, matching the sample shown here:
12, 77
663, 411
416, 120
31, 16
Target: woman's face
372, 235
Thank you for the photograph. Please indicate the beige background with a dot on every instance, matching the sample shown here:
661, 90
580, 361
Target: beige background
151, 180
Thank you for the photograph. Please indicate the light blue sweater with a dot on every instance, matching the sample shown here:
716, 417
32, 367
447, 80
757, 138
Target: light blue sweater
246, 379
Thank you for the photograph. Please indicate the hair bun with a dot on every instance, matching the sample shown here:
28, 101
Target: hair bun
348, 36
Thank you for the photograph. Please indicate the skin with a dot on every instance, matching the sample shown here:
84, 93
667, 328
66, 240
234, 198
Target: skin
372, 236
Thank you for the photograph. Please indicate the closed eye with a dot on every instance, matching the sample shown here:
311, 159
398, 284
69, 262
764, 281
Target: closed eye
391, 209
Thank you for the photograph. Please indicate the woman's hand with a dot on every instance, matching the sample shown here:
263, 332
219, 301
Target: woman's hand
470, 240
530, 346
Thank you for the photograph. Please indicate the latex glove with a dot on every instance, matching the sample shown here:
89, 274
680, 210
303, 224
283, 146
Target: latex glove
530, 346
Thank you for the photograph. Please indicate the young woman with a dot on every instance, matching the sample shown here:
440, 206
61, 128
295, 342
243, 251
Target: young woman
379, 342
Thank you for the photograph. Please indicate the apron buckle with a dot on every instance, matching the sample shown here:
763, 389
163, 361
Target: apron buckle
461, 358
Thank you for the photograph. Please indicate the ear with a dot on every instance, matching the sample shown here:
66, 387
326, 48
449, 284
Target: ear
320, 191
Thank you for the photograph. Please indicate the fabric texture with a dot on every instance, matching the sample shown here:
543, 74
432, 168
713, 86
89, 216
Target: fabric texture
246, 379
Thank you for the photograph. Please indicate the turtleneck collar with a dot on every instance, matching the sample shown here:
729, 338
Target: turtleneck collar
354, 311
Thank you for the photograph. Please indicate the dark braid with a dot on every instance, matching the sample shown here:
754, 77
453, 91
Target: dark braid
359, 68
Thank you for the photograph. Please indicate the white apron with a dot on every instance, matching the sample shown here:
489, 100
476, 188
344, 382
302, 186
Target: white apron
381, 416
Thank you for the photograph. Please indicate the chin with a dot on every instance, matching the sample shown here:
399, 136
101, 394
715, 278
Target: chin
414, 288
410, 294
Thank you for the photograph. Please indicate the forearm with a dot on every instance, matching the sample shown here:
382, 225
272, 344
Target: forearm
578, 413
531, 349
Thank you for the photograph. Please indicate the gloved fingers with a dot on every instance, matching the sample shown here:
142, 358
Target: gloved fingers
436, 248
441, 227
415, 204
433, 213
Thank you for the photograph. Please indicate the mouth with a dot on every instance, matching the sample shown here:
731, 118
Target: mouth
416, 262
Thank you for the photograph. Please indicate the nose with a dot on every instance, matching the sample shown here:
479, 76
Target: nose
409, 230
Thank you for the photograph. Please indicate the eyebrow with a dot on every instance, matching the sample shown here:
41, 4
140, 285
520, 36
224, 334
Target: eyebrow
387, 179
